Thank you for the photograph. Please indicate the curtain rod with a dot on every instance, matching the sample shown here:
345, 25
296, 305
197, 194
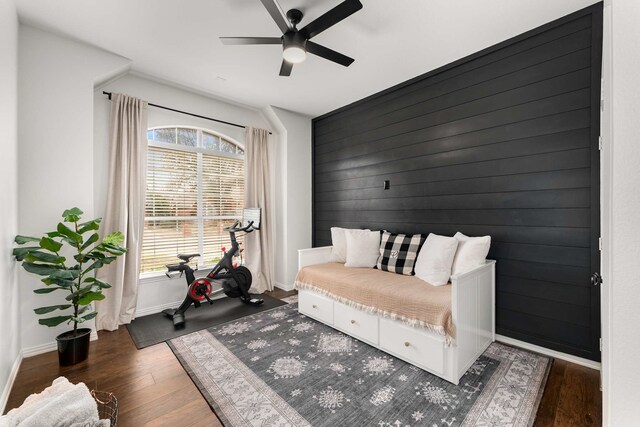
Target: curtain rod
188, 114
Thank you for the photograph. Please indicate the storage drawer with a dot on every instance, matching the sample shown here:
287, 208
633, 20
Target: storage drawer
416, 346
356, 323
317, 306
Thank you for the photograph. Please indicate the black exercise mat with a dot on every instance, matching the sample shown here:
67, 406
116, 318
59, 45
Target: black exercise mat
156, 328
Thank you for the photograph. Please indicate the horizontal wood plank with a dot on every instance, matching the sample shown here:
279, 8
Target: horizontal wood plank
466, 69
494, 99
551, 236
543, 124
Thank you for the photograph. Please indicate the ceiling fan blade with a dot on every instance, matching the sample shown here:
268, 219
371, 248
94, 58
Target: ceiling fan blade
285, 68
329, 54
276, 13
332, 17
250, 40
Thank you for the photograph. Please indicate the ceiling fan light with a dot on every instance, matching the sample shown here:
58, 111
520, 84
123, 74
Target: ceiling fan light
294, 54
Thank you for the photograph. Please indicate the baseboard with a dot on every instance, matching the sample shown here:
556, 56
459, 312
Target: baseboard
548, 352
50, 346
9, 385
279, 285
156, 309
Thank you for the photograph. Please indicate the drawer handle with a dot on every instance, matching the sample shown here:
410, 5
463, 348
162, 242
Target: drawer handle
314, 306
407, 344
353, 322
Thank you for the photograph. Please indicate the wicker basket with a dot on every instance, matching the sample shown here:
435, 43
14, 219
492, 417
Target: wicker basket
107, 406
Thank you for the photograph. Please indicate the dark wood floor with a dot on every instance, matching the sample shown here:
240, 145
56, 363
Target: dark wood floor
154, 390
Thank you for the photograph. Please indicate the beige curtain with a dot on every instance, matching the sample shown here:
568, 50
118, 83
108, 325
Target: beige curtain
258, 245
125, 209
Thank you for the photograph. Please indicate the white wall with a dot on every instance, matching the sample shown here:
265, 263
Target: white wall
161, 292
9, 292
55, 155
292, 187
621, 214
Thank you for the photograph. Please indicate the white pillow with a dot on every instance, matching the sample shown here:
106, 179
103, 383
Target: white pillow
472, 252
363, 248
339, 242
435, 259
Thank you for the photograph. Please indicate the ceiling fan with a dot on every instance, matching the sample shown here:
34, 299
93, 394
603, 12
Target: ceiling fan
296, 43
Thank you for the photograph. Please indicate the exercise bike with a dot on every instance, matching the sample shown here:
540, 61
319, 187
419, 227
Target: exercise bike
235, 281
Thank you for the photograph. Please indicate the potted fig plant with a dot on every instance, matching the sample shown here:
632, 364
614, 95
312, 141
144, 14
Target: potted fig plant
47, 256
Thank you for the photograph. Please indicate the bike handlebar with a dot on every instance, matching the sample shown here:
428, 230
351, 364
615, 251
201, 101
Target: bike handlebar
234, 229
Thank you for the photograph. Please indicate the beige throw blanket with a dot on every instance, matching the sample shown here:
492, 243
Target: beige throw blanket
391, 295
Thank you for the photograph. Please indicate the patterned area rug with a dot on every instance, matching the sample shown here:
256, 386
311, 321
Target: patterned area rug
290, 300
280, 368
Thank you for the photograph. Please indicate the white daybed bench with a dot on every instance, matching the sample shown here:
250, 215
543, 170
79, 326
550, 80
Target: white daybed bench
472, 314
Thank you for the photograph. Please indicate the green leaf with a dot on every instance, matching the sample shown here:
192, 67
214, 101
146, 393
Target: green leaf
54, 321
97, 221
69, 241
113, 249
50, 244
89, 316
37, 256
62, 236
99, 283
40, 269
45, 310
72, 215
63, 283
65, 274
21, 253
84, 309
87, 288
75, 296
115, 238
89, 225
45, 290
96, 264
95, 255
69, 234
91, 296
21, 240
109, 259
91, 240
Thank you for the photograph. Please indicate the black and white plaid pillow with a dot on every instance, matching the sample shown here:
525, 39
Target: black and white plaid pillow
398, 252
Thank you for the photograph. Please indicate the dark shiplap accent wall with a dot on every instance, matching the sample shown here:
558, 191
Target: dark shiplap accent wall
503, 143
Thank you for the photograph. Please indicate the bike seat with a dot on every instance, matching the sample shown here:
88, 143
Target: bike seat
187, 257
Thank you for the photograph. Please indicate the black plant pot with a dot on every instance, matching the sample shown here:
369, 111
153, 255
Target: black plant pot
72, 348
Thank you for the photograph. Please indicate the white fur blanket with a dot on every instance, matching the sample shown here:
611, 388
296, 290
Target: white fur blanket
61, 404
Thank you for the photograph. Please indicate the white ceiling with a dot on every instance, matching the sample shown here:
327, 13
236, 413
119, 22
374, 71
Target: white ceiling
391, 41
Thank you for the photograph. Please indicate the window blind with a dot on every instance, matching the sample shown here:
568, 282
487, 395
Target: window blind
192, 195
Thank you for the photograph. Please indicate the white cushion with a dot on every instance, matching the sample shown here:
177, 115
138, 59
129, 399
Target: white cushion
339, 242
363, 248
435, 259
472, 252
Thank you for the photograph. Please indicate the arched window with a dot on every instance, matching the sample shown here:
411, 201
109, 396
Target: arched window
195, 188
